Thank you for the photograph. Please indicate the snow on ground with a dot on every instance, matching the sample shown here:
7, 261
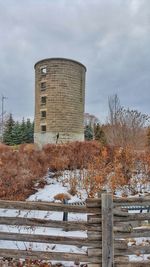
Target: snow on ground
57, 185
53, 187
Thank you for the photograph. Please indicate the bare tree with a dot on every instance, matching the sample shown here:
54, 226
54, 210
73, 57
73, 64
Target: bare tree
125, 126
90, 119
114, 110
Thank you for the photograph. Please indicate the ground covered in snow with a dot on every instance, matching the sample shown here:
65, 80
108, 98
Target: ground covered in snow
55, 184
53, 187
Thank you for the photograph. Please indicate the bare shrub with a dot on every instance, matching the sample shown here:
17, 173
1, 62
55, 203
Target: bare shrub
62, 197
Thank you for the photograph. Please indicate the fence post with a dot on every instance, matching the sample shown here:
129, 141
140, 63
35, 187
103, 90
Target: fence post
65, 214
95, 235
107, 230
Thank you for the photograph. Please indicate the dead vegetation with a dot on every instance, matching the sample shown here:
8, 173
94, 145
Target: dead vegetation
22, 167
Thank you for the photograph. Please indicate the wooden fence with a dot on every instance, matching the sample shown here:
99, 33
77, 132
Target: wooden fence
132, 229
109, 228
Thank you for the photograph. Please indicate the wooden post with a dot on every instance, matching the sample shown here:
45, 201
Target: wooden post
65, 214
107, 230
95, 236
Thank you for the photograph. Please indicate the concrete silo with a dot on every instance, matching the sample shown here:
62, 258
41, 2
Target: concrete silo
59, 101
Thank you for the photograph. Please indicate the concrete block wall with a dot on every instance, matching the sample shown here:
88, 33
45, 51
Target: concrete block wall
64, 82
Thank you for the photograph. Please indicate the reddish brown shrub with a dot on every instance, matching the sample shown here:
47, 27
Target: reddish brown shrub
20, 168
62, 197
75, 155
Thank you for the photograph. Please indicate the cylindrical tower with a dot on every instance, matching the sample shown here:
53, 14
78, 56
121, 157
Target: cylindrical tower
59, 101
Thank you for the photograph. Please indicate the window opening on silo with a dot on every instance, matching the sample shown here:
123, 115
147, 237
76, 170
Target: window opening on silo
43, 114
43, 100
43, 70
43, 128
43, 86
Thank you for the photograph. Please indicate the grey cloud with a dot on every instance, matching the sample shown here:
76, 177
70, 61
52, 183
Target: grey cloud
111, 37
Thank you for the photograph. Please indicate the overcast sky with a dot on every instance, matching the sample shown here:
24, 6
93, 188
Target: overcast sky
110, 37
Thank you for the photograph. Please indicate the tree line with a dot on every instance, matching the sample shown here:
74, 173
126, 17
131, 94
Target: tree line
16, 132
124, 126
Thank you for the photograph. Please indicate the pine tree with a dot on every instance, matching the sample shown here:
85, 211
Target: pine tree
16, 134
7, 137
29, 131
88, 132
23, 131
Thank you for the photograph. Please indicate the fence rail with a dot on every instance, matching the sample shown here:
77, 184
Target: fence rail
109, 227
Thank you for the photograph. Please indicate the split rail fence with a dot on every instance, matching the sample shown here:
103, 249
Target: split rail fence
109, 227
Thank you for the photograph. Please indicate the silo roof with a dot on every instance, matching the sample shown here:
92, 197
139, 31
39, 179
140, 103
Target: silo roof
57, 58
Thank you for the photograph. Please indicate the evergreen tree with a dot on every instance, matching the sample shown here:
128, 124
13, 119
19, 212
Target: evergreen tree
88, 132
23, 131
16, 134
7, 136
29, 131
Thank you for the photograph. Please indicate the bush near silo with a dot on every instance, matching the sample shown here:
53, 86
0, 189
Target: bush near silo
22, 167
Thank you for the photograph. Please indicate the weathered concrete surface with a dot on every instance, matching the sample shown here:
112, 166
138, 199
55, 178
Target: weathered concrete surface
63, 84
